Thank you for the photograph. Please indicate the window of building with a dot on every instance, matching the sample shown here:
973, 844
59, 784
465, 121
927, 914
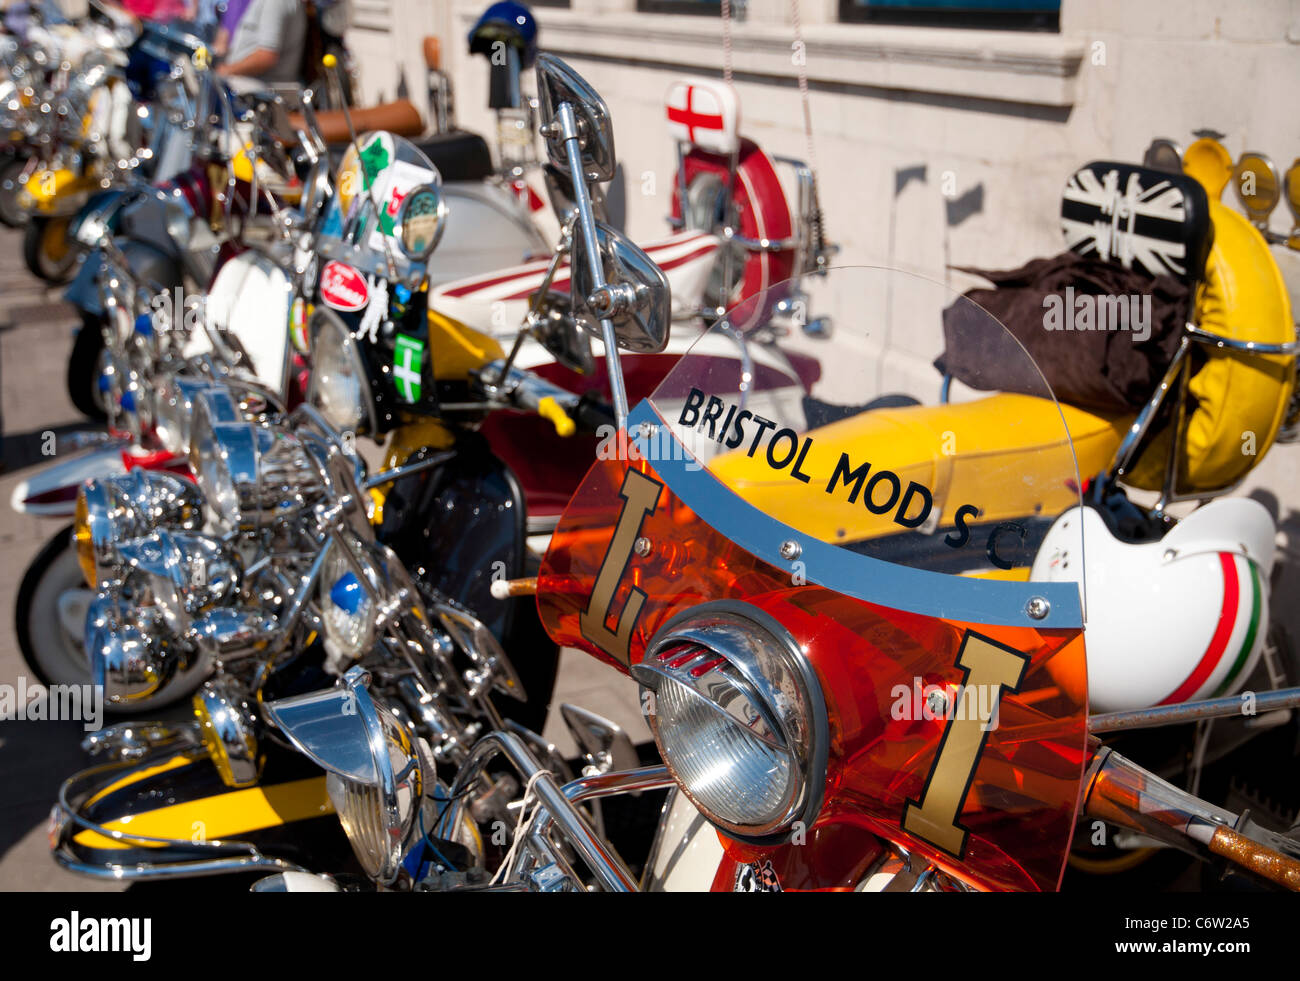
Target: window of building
1018, 15
703, 7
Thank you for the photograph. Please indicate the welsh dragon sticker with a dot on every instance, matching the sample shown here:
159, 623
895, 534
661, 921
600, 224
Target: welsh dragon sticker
407, 358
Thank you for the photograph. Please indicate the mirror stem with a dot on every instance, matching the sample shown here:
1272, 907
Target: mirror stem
582, 199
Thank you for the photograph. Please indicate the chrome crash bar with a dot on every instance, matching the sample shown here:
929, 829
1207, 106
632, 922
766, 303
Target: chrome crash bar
203, 857
559, 805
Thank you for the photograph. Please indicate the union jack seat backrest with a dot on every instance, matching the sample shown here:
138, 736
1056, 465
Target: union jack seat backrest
1138, 217
704, 113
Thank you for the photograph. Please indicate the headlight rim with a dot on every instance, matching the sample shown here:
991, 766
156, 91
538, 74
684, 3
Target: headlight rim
806, 808
297, 717
370, 584
321, 318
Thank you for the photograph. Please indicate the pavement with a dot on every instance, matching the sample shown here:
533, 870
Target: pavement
36, 333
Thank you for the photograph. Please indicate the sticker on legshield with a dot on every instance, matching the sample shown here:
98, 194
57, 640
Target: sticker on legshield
407, 357
342, 287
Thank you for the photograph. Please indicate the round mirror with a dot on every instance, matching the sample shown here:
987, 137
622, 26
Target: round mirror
316, 190
1164, 155
421, 220
1292, 182
1257, 185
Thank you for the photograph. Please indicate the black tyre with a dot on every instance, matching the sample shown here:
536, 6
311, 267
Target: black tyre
10, 170
84, 367
45, 614
49, 250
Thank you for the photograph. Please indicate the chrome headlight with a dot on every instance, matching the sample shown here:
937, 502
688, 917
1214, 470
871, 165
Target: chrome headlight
346, 607
250, 473
180, 574
228, 733
739, 718
376, 769
338, 386
113, 510
130, 659
176, 405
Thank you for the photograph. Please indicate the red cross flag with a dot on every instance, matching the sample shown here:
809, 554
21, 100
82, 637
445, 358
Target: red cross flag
704, 113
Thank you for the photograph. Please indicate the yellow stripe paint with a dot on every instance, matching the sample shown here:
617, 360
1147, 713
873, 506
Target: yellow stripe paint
135, 776
223, 816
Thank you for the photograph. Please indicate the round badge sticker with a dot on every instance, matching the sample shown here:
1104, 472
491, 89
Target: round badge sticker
342, 287
422, 217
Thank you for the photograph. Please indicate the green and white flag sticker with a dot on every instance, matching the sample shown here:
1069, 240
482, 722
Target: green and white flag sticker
407, 356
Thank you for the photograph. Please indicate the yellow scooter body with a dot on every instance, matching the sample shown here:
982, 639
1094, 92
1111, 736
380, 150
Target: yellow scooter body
166, 810
56, 193
916, 442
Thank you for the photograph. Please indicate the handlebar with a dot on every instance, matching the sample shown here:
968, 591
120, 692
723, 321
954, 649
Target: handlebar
565, 410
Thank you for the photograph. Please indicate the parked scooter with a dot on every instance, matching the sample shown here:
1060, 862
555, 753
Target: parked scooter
451, 512
151, 339
887, 708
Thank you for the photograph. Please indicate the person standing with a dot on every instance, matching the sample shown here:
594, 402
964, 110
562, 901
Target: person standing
268, 42
230, 17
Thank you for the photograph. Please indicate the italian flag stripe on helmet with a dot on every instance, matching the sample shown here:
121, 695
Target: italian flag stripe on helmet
1252, 630
1241, 610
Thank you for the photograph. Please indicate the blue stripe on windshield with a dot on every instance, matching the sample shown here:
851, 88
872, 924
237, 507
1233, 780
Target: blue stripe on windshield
899, 587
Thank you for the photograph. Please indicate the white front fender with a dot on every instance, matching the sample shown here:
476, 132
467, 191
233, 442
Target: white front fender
52, 492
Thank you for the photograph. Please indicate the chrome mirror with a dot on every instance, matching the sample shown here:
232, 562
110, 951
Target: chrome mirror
1258, 187
558, 86
559, 189
421, 221
557, 330
316, 190
602, 745
635, 296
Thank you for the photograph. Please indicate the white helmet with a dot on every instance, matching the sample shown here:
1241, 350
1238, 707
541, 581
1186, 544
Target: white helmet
1174, 620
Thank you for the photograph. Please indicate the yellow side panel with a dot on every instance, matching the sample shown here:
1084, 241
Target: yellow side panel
1005, 454
223, 816
457, 349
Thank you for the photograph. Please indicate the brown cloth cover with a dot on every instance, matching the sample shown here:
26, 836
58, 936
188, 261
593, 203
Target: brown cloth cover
1105, 370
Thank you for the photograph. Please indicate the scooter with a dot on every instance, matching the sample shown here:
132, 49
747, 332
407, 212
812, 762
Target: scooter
453, 513
894, 713
718, 589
